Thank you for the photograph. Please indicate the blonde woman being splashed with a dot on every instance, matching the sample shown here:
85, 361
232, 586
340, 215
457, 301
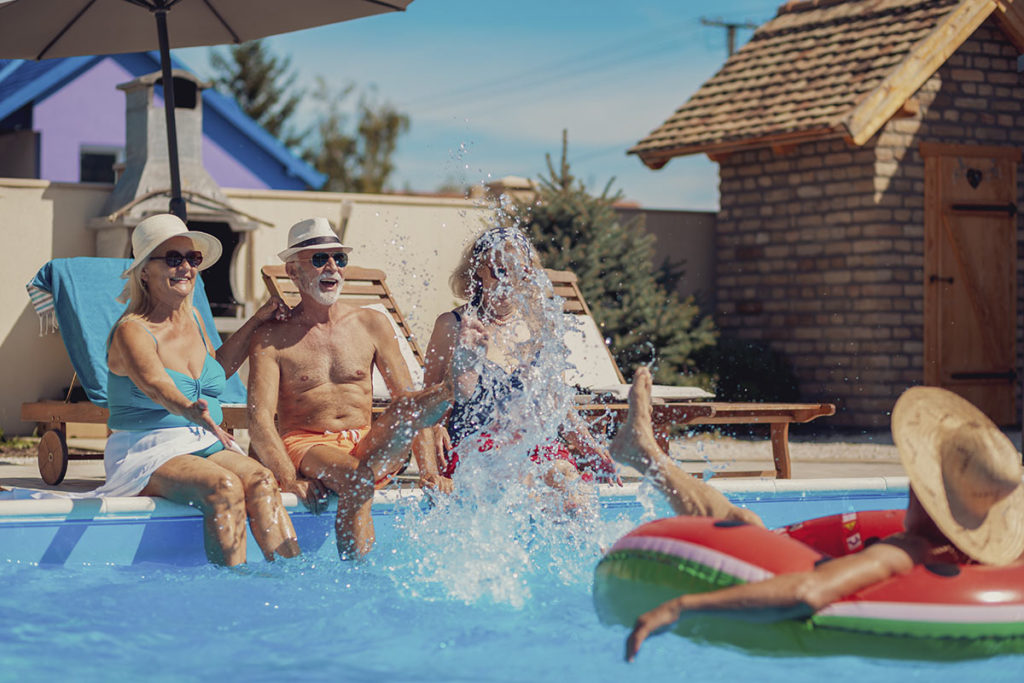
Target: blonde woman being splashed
505, 355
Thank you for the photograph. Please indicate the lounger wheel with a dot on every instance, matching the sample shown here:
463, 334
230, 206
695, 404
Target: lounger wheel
53, 457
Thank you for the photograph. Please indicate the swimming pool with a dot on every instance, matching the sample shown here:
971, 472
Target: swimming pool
424, 606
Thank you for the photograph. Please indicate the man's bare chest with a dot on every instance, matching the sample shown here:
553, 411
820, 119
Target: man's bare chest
339, 357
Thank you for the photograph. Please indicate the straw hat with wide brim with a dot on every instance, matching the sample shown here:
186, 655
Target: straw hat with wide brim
155, 230
964, 471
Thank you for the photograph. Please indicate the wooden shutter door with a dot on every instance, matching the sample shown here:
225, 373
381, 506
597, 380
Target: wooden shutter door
970, 273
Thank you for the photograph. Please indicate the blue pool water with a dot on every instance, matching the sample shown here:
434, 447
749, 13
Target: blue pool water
425, 606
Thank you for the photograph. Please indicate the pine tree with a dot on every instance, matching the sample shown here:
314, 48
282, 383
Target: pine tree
261, 84
643, 322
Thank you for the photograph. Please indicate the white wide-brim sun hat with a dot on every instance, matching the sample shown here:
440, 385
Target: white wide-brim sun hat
964, 471
150, 233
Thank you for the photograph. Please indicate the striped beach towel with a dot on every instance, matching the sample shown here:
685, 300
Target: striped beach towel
42, 302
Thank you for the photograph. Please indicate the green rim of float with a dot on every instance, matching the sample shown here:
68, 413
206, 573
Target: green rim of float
649, 566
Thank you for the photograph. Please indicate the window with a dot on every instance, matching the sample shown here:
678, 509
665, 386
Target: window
96, 164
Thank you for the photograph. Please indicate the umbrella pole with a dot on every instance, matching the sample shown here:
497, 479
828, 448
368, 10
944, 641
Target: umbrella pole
177, 204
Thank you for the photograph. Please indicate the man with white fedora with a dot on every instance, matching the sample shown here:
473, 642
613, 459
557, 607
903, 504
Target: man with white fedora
966, 506
314, 372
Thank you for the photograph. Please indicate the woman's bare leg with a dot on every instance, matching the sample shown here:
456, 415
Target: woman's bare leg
635, 446
217, 492
271, 526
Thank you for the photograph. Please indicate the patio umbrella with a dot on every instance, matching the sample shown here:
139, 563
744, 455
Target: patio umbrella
41, 29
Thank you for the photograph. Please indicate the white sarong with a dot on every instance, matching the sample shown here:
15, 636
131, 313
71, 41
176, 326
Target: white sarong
131, 458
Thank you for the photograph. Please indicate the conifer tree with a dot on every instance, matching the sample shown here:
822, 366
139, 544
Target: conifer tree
643, 322
261, 84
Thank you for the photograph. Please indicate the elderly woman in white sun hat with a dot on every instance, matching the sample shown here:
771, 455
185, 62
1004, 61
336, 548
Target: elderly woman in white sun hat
163, 383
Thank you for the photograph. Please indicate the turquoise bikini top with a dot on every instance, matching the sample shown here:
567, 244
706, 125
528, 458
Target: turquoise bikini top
130, 409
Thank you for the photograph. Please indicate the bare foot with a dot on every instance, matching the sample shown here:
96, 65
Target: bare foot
634, 445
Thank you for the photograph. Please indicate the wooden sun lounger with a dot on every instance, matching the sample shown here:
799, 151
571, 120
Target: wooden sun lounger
363, 287
778, 416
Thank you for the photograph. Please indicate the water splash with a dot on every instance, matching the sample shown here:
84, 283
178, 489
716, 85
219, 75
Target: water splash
513, 520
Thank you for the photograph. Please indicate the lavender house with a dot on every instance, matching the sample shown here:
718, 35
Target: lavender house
64, 120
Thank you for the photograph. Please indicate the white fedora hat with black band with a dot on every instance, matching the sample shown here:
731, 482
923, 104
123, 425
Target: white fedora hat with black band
312, 233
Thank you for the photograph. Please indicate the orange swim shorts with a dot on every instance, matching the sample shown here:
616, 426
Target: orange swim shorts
298, 442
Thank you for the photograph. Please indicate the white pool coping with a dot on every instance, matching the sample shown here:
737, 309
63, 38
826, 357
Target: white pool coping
146, 507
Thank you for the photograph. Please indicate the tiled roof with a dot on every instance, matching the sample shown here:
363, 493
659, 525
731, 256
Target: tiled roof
799, 76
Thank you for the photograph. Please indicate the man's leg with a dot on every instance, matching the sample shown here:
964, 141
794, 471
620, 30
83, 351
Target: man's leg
635, 446
381, 451
352, 479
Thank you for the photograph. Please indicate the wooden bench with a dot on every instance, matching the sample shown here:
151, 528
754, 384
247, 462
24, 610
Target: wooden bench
778, 416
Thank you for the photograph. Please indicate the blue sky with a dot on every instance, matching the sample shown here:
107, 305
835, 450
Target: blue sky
489, 86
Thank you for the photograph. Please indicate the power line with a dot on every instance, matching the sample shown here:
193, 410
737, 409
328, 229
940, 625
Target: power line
618, 54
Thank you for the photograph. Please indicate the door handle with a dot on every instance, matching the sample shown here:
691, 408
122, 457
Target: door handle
938, 278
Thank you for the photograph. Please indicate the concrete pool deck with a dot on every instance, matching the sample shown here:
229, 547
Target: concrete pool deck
813, 457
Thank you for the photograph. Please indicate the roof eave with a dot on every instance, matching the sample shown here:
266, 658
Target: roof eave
657, 158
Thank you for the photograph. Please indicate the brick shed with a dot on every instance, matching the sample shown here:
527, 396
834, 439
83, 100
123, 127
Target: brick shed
868, 155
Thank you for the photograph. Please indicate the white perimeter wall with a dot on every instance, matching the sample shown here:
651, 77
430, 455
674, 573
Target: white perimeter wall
416, 240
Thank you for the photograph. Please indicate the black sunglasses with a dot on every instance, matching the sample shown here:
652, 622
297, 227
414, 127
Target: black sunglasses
173, 259
319, 259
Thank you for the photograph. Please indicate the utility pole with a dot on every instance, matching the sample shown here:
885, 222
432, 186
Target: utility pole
730, 28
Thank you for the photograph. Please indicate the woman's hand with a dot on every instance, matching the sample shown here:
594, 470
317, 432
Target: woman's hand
273, 309
437, 483
600, 461
442, 445
199, 413
653, 622
470, 347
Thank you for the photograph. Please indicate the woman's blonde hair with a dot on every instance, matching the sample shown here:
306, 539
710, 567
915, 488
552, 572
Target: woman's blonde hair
464, 281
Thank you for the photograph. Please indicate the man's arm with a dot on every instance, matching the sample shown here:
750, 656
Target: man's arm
786, 596
264, 385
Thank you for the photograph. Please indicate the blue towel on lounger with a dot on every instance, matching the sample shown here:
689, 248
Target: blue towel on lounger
84, 292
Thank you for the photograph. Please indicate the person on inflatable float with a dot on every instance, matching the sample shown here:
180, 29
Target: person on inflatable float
966, 506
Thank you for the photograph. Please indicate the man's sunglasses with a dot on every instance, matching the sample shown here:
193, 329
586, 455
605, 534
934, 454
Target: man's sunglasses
319, 259
173, 259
